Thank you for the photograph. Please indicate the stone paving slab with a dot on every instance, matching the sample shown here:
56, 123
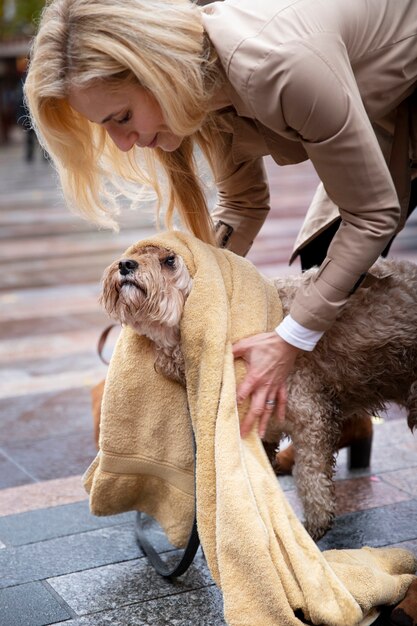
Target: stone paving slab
369, 492
23, 417
44, 272
202, 607
39, 347
122, 584
42, 366
99, 576
57, 300
394, 448
11, 475
68, 245
403, 480
384, 459
376, 527
15, 383
53, 457
50, 324
407, 545
63, 555
41, 495
30, 605
59, 521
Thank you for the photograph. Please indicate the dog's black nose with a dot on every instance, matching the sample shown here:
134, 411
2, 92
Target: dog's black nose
126, 266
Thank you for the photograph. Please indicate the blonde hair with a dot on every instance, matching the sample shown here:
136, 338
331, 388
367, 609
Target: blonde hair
159, 44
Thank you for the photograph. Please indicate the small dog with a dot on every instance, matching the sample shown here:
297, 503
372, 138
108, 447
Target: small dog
366, 359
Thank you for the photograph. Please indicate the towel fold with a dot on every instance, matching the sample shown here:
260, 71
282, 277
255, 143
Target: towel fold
258, 552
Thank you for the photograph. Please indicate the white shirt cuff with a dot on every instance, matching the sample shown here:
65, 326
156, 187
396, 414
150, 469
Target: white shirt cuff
292, 332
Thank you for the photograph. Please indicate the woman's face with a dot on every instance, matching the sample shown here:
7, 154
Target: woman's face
131, 116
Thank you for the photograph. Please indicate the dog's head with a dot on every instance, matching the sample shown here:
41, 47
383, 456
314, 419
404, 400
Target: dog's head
147, 289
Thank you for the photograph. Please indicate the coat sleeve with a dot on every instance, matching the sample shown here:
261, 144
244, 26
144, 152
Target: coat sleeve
242, 198
297, 91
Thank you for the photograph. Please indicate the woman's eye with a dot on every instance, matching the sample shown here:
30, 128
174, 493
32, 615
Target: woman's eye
125, 118
170, 261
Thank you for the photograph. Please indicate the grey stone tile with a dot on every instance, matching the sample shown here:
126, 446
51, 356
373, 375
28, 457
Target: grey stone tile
54, 457
67, 410
368, 492
121, 584
387, 458
49, 324
30, 605
408, 545
391, 431
403, 480
203, 607
374, 527
394, 447
43, 524
64, 555
11, 475
30, 368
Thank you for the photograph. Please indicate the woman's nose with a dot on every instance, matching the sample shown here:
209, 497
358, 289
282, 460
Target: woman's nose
123, 140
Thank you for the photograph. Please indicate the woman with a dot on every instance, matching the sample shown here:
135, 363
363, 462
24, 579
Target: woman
328, 80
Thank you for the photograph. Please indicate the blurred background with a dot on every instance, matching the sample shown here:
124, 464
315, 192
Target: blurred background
17, 25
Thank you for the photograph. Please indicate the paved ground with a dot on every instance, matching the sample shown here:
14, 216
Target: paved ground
58, 564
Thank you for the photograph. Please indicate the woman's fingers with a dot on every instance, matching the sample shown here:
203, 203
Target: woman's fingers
259, 352
247, 386
270, 407
269, 359
243, 349
260, 409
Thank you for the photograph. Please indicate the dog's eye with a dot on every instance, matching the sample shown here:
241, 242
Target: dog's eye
170, 261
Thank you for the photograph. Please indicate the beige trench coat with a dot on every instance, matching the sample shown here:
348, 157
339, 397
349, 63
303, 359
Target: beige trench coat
326, 80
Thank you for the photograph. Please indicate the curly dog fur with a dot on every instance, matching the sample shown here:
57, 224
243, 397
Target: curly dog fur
366, 359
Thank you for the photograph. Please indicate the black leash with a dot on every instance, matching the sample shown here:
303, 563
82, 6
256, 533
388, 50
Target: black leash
155, 560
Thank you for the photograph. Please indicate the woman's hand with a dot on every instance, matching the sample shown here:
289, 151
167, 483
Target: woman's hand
269, 359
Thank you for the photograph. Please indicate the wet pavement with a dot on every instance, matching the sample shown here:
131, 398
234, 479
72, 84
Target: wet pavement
59, 564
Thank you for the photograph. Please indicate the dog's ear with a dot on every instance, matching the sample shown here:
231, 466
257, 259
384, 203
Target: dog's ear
110, 289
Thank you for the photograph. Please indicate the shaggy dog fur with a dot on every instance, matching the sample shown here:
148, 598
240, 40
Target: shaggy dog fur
366, 359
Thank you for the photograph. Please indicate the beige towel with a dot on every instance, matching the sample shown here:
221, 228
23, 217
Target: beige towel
258, 552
